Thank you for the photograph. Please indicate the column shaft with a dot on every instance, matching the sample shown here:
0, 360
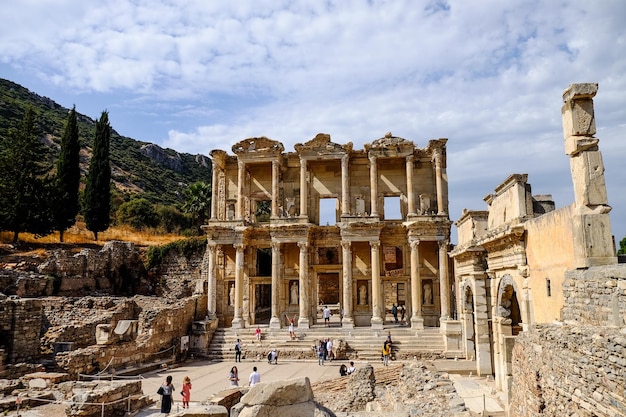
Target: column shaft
373, 186
304, 192
444, 282
237, 320
211, 282
410, 195
345, 185
347, 320
416, 287
275, 172
240, 180
439, 181
303, 320
276, 262
378, 305
214, 190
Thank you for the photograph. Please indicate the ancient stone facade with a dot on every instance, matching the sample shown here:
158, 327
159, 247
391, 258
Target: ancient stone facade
359, 230
513, 260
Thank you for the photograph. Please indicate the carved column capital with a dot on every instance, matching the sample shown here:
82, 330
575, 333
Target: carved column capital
414, 244
303, 245
375, 244
346, 244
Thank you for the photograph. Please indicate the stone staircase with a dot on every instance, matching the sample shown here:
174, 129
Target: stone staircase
362, 344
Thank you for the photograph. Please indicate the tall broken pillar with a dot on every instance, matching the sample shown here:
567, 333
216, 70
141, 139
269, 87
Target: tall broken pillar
593, 240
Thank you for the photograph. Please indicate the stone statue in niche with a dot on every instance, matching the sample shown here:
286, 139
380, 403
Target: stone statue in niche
291, 206
424, 203
362, 295
428, 294
230, 211
231, 295
360, 206
293, 293
504, 310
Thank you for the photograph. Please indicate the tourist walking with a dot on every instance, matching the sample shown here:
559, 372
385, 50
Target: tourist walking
402, 313
386, 351
326, 314
186, 391
343, 370
292, 332
257, 333
234, 377
329, 350
394, 311
321, 353
255, 377
238, 351
165, 391
272, 356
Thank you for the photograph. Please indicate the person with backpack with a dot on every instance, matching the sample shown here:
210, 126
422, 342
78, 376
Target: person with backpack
238, 351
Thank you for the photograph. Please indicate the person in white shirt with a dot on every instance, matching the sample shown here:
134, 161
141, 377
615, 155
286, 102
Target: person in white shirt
351, 368
326, 314
329, 350
255, 377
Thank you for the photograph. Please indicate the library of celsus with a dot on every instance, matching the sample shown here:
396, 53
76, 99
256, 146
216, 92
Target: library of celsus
328, 225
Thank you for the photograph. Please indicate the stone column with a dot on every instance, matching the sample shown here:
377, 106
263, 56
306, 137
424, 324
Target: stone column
373, 186
378, 305
345, 185
591, 222
417, 321
439, 180
237, 320
347, 320
303, 320
444, 281
214, 190
304, 191
276, 262
410, 195
211, 281
275, 172
240, 180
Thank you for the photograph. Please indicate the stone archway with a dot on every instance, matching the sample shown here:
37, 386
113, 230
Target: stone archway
508, 307
469, 323
476, 325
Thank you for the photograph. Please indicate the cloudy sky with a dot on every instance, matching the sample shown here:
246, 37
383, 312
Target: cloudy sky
199, 75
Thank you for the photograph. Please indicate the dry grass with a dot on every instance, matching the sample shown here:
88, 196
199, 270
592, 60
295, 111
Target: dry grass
79, 235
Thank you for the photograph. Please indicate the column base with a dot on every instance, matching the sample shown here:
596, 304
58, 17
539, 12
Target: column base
347, 323
453, 333
377, 323
303, 323
417, 323
274, 323
237, 323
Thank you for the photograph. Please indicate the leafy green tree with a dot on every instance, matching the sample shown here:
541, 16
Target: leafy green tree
197, 202
171, 219
622, 247
98, 189
66, 206
24, 188
138, 213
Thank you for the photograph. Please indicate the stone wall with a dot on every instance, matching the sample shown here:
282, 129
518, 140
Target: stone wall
20, 323
75, 319
179, 276
161, 324
569, 371
595, 296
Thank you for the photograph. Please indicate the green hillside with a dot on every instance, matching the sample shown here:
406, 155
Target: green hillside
159, 175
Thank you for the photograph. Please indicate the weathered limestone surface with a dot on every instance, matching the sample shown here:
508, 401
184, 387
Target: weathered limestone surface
569, 371
20, 323
292, 397
596, 296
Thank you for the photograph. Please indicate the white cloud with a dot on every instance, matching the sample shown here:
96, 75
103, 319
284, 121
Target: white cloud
488, 75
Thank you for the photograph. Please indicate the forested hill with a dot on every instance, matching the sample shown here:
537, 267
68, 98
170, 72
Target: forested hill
159, 175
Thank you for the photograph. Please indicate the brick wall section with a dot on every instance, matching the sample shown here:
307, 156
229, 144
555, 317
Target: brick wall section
569, 370
20, 323
179, 275
595, 296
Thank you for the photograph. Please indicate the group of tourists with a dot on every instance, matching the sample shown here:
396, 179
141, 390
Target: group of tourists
167, 390
324, 351
253, 379
347, 370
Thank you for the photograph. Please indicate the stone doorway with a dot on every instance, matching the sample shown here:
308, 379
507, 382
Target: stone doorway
469, 323
328, 288
262, 303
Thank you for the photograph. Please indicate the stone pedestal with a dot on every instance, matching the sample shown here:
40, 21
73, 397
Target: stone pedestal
417, 323
237, 323
347, 323
451, 329
303, 323
275, 323
377, 323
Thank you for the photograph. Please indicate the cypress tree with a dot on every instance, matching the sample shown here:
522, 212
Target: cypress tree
24, 187
67, 177
98, 189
